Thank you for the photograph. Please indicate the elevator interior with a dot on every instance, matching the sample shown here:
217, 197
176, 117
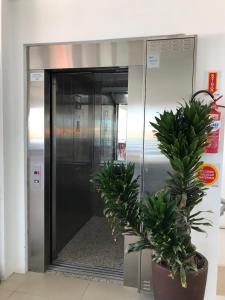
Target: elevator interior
89, 116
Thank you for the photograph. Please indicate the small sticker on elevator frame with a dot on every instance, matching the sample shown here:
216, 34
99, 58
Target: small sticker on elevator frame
153, 61
36, 76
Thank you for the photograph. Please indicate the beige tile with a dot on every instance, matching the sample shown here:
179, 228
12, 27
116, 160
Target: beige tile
14, 281
101, 291
4, 294
22, 296
57, 287
220, 281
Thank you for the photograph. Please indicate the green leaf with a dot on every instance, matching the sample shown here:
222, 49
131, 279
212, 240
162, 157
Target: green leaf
183, 277
198, 229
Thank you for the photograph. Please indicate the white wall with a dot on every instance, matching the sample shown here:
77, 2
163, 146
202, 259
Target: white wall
222, 247
41, 21
13, 147
210, 57
1, 158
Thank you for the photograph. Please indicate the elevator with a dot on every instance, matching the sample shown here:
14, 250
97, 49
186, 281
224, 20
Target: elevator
89, 103
88, 113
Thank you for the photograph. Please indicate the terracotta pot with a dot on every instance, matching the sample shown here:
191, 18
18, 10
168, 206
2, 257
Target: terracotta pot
166, 288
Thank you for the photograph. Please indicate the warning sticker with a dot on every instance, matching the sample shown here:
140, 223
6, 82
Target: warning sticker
153, 61
208, 174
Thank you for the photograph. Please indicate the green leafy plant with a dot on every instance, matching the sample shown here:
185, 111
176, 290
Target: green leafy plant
163, 221
120, 191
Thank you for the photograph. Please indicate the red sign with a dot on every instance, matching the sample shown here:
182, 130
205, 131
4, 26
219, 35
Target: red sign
212, 81
208, 174
213, 139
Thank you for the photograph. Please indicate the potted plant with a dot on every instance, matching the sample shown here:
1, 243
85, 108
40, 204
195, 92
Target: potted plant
163, 221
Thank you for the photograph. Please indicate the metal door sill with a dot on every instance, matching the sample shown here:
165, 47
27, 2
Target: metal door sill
87, 270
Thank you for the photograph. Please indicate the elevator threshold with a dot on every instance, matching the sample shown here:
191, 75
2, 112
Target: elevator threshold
87, 270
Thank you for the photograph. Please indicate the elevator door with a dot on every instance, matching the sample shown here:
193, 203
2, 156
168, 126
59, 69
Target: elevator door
86, 132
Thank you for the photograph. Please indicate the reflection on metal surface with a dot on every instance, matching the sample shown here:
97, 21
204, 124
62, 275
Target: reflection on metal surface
135, 126
36, 126
118, 53
107, 137
122, 132
36, 158
166, 85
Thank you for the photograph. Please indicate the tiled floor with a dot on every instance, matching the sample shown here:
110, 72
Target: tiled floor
221, 280
36, 286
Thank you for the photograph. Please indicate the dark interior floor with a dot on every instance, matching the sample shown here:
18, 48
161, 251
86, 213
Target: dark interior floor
94, 245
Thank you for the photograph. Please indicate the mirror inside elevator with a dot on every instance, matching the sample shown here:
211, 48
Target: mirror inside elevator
88, 117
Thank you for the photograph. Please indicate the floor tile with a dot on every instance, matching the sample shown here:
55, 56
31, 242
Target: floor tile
220, 281
4, 294
100, 291
57, 287
22, 296
14, 281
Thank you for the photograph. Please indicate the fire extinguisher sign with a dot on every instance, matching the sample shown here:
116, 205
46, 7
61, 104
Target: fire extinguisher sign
212, 82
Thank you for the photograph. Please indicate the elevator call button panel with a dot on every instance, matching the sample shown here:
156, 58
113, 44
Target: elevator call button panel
36, 176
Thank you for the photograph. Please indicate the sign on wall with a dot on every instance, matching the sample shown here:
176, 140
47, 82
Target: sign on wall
212, 82
208, 174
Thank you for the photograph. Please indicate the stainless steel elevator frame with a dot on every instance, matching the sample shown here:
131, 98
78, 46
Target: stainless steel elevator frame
141, 57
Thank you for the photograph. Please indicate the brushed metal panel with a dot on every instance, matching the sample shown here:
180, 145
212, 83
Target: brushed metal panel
146, 270
87, 55
36, 158
169, 79
47, 168
166, 85
135, 126
135, 118
131, 264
